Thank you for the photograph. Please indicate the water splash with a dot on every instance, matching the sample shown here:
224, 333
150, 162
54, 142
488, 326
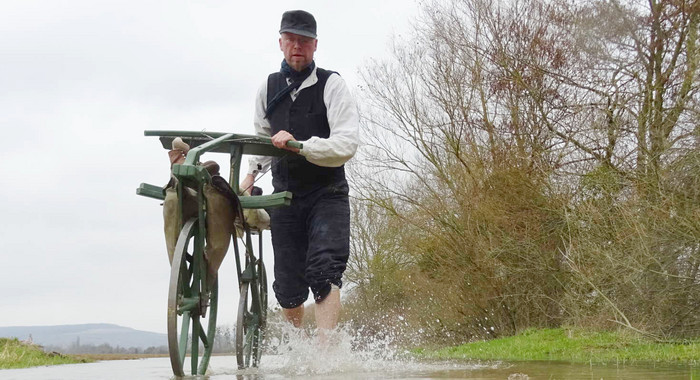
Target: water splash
348, 353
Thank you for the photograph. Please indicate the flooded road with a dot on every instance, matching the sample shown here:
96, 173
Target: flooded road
277, 367
351, 356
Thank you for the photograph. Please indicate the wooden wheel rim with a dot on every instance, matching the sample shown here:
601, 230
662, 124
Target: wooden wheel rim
183, 280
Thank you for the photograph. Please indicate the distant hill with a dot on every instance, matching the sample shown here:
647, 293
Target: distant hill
86, 334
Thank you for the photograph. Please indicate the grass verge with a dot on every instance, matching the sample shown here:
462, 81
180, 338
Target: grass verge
572, 345
16, 354
95, 357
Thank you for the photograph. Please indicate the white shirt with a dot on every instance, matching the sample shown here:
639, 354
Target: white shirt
343, 119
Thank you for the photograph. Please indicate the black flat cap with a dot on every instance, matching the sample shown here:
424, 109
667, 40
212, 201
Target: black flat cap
298, 22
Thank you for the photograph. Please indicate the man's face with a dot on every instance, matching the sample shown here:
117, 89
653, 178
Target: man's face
298, 50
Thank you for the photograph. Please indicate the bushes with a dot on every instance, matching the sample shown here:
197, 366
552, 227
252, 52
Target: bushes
491, 268
516, 255
635, 259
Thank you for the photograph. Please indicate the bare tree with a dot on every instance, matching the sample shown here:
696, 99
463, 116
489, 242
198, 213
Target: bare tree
528, 162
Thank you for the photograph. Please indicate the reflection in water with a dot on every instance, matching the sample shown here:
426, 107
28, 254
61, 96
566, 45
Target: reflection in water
224, 368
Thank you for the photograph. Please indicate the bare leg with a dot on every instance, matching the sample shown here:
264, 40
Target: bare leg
295, 315
327, 312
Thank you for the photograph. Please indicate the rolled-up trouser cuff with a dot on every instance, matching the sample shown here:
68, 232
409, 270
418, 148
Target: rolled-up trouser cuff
321, 292
288, 302
291, 304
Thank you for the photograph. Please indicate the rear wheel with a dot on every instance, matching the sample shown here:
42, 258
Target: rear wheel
250, 326
263, 296
191, 306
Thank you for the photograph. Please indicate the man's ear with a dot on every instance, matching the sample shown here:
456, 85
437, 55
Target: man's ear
315, 44
280, 40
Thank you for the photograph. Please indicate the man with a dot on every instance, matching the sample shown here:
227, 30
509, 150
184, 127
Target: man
310, 237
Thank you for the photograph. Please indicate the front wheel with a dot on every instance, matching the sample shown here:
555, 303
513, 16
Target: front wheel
192, 305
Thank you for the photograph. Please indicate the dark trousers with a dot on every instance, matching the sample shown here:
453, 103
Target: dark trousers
311, 240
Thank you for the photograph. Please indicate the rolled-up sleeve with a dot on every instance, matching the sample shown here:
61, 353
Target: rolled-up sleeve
344, 122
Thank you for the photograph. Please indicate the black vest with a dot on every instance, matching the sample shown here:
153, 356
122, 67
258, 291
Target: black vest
303, 118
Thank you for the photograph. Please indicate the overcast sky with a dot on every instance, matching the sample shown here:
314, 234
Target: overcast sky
79, 83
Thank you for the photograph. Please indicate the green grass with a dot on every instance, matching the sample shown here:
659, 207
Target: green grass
16, 354
572, 345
